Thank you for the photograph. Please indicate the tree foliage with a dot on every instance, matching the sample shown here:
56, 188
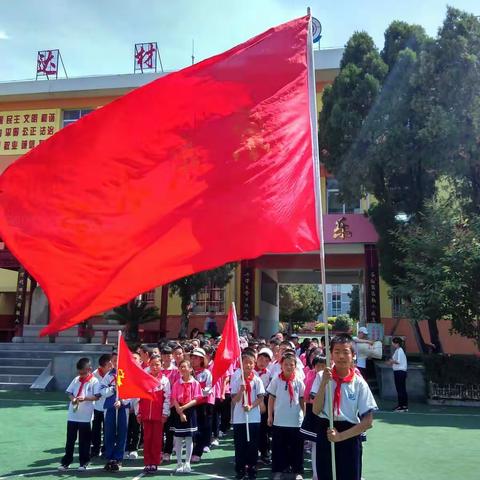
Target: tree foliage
132, 314
189, 286
300, 304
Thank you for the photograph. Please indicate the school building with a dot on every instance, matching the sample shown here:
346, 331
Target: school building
31, 111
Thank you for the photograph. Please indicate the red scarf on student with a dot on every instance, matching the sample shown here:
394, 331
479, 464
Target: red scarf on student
186, 392
248, 388
83, 381
289, 382
196, 373
337, 396
261, 371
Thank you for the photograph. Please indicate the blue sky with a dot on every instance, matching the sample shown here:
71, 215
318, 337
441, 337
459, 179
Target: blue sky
96, 37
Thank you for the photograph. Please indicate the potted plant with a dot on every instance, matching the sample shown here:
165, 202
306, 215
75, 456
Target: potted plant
343, 324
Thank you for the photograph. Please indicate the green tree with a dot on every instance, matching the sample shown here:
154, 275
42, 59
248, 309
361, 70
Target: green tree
133, 314
354, 310
189, 286
299, 304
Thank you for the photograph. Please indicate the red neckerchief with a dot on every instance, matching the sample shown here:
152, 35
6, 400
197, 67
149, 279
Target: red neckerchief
100, 373
198, 372
261, 371
186, 392
289, 382
337, 397
248, 388
83, 381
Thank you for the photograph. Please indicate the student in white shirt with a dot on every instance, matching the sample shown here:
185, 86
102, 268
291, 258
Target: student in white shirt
264, 358
285, 415
353, 404
81, 392
399, 367
247, 396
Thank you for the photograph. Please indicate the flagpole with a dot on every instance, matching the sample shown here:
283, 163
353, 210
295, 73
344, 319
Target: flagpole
245, 401
319, 212
116, 366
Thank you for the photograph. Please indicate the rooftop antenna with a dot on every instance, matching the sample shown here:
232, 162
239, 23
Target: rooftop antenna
193, 51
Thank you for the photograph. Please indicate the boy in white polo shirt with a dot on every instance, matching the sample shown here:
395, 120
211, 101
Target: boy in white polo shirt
285, 414
81, 392
353, 404
246, 399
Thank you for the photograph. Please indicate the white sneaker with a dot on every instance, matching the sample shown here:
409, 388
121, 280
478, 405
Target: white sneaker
187, 468
82, 468
179, 468
166, 457
62, 468
215, 443
126, 455
133, 455
206, 450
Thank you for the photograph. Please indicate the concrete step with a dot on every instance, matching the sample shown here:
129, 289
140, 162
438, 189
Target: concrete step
14, 386
20, 370
28, 362
32, 354
54, 347
17, 378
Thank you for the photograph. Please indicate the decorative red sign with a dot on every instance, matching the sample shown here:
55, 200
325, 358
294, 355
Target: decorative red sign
47, 63
146, 56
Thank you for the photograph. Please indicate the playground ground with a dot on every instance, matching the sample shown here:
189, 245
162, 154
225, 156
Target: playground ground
428, 443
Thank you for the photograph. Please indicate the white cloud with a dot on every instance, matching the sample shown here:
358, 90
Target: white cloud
3, 35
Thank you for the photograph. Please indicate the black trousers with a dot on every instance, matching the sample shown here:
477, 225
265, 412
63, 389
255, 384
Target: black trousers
400, 377
84, 431
246, 453
216, 417
133, 434
348, 454
264, 441
97, 433
287, 450
204, 434
226, 413
168, 445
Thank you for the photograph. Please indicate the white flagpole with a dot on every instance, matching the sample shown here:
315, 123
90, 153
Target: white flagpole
245, 398
319, 212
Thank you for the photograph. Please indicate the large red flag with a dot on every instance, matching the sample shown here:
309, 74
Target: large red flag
204, 166
228, 350
132, 380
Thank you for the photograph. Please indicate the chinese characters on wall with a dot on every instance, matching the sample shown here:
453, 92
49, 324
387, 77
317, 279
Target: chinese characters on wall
372, 284
22, 130
247, 287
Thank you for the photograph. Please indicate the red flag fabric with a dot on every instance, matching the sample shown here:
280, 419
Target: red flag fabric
228, 350
132, 380
208, 165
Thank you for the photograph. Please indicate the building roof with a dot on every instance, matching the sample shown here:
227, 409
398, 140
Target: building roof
327, 62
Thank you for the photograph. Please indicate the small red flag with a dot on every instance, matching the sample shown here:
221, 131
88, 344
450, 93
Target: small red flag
208, 165
132, 380
228, 350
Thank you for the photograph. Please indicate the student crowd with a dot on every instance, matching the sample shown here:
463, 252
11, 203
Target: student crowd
281, 399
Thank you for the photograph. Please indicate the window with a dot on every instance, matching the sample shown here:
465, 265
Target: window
334, 202
397, 306
338, 300
209, 298
70, 116
149, 296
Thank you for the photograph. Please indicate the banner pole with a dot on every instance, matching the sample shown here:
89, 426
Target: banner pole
319, 212
245, 399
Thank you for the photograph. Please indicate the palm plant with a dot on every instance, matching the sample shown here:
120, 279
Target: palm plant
133, 314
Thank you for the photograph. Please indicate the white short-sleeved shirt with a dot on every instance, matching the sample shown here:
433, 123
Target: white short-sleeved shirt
361, 360
356, 399
400, 357
286, 413
84, 412
238, 411
265, 377
98, 403
276, 369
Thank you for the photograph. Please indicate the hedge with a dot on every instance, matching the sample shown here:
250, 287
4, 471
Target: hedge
451, 369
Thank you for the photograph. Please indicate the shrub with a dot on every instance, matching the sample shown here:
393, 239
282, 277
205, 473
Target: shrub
450, 369
343, 323
320, 327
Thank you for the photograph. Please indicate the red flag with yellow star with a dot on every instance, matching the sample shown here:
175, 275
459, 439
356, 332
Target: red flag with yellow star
132, 380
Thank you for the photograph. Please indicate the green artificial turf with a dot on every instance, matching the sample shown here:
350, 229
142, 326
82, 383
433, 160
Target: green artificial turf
429, 443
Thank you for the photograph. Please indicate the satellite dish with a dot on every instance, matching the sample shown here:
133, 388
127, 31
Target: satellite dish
316, 30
